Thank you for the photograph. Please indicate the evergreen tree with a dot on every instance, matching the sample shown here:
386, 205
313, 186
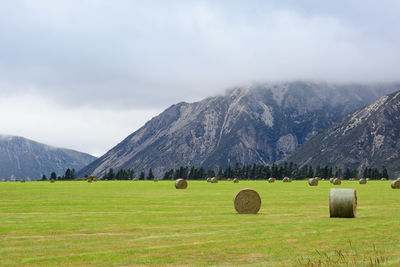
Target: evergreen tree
53, 175
385, 173
44, 178
150, 176
310, 172
142, 175
67, 175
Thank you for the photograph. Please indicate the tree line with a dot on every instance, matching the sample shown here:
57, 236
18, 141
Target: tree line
252, 171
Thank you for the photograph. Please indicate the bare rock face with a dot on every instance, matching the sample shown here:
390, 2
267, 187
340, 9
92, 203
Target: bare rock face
369, 137
261, 123
21, 158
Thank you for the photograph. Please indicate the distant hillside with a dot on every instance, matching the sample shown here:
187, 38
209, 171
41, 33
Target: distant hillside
369, 137
24, 158
259, 124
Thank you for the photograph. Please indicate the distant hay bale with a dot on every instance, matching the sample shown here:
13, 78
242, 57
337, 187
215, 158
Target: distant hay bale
363, 181
383, 179
343, 203
337, 181
236, 180
287, 180
247, 201
318, 178
180, 184
229, 179
313, 181
135, 179
155, 179
22, 180
214, 180
208, 180
396, 184
52, 180
271, 180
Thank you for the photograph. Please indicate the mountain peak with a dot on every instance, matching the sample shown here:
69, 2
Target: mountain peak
261, 123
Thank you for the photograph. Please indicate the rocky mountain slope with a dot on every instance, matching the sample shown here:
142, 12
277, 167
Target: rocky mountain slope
24, 158
369, 137
261, 123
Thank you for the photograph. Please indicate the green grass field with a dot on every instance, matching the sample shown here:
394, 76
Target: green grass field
122, 223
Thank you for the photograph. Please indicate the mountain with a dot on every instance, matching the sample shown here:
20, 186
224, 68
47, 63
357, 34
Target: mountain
24, 158
369, 137
261, 123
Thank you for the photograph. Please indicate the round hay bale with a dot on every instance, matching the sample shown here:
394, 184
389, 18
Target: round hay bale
247, 201
236, 180
363, 181
343, 203
180, 184
271, 180
155, 179
331, 180
396, 184
383, 179
337, 181
52, 180
22, 180
287, 180
135, 179
318, 178
214, 180
208, 180
313, 181
229, 179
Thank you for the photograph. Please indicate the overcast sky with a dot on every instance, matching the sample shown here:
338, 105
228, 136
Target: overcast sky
84, 74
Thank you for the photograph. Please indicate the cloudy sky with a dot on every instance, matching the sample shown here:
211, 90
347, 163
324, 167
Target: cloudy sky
84, 74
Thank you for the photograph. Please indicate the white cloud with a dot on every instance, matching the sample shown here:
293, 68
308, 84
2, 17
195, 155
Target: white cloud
118, 60
83, 128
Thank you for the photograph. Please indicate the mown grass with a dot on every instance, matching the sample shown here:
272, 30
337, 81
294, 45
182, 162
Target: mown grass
122, 223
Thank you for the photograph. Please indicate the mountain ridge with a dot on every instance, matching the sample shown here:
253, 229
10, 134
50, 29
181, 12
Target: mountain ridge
28, 159
261, 123
368, 137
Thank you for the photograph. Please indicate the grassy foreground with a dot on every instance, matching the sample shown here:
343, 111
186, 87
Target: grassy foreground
122, 223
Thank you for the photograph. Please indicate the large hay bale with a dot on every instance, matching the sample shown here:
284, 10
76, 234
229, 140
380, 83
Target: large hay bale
313, 181
343, 203
180, 184
363, 181
135, 179
287, 180
383, 179
52, 180
22, 180
155, 179
214, 180
247, 201
337, 181
271, 180
331, 180
236, 180
396, 184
